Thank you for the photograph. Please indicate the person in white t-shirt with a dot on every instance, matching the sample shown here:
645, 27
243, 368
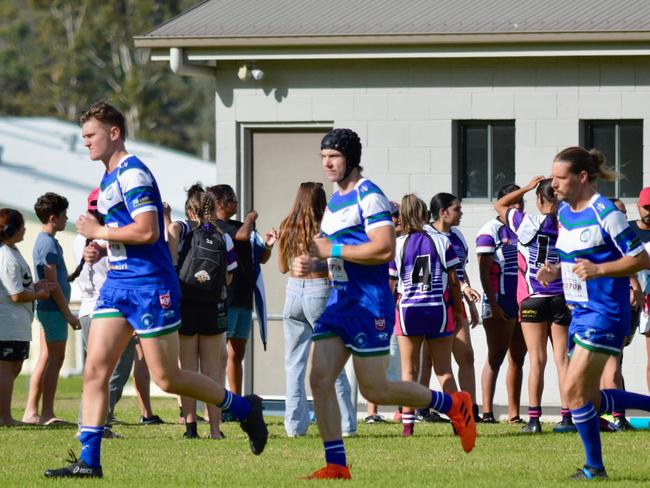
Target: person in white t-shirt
17, 295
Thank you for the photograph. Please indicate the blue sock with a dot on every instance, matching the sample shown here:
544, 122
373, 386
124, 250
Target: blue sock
335, 452
91, 443
587, 423
440, 402
238, 406
621, 400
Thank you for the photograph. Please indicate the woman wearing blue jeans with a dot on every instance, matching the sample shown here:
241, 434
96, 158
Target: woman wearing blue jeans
306, 297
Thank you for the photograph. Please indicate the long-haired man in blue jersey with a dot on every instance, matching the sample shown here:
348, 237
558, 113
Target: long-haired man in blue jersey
358, 241
598, 253
141, 294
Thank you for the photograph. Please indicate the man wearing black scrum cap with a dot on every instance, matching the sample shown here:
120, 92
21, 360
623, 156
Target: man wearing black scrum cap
358, 241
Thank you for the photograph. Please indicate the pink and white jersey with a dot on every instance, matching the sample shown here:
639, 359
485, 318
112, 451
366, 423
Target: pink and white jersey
537, 235
495, 238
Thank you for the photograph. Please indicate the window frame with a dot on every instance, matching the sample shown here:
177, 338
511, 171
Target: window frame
459, 155
585, 130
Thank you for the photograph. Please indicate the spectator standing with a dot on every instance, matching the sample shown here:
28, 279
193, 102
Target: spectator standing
54, 313
17, 295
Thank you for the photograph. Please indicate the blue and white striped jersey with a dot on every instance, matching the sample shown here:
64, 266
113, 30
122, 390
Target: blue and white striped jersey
127, 191
358, 290
599, 233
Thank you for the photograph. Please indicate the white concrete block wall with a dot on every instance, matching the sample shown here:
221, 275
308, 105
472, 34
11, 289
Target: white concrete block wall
404, 113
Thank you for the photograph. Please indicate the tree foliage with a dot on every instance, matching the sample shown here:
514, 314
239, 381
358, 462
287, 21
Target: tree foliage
59, 56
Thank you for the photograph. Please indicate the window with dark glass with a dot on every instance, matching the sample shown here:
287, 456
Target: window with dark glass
486, 157
621, 142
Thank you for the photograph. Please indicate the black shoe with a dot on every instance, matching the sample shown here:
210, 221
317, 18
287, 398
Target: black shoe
153, 420
430, 417
78, 469
488, 418
477, 417
565, 425
375, 419
587, 473
532, 427
516, 420
622, 423
254, 425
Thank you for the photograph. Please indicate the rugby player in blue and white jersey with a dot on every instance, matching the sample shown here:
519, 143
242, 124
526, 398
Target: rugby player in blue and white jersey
358, 241
598, 253
141, 294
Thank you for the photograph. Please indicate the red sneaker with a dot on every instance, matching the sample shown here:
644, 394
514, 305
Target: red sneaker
330, 472
462, 419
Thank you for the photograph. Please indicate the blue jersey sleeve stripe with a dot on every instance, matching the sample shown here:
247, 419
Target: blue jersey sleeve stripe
115, 208
138, 190
378, 216
348, 230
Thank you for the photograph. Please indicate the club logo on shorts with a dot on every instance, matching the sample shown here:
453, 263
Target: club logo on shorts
360, 339
380, 324
165, 300
147, 320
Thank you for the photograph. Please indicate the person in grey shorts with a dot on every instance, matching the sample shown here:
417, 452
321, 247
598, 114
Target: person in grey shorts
306, 298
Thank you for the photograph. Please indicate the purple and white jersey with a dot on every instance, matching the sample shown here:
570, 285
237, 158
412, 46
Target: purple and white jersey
423, 261
495, 238
459, 244
537, 235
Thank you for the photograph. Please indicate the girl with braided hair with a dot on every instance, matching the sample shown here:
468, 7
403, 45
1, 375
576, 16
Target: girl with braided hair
202, 338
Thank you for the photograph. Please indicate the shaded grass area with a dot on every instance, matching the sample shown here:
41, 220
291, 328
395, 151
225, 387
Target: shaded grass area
159, 456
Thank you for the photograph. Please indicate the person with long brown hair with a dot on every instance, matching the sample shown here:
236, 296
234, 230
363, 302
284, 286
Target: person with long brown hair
306, 298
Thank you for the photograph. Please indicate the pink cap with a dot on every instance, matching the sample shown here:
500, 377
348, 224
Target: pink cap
644, 197
92, 200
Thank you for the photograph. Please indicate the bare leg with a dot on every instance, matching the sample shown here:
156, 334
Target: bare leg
559, 338
55, 357
189, 358
464, 356
142, 381
515, 375
31, 415
211, 350
236, 352
536, 337
328, 359
441, 354
107, 339
498, 335
409, 351
425, 366
9, 370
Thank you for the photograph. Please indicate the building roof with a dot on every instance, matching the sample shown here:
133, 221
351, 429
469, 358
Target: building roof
257, 22
41, 154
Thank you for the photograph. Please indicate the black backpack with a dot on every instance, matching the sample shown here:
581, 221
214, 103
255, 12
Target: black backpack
202, 265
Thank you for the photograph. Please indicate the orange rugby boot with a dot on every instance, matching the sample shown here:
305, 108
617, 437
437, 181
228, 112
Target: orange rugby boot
462, 419
330, 472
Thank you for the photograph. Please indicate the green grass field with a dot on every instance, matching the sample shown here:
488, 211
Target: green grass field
159, 456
